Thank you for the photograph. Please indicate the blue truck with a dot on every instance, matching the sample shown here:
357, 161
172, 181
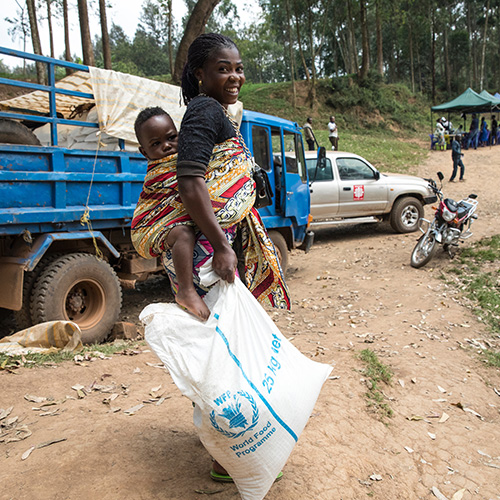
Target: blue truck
65, 213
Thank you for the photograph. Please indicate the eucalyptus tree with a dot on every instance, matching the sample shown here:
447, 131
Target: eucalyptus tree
87, 49
35, 40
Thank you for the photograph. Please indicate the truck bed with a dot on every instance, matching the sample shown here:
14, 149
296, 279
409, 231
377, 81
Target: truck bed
45, 189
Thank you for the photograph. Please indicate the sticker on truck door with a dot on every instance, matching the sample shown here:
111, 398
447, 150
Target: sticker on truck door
358, 193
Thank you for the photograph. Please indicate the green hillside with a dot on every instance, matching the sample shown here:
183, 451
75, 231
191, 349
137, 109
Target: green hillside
387, 124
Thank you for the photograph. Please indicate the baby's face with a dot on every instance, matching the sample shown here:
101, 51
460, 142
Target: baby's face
158, 137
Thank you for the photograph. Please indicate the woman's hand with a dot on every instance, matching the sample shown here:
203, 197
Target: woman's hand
224, 263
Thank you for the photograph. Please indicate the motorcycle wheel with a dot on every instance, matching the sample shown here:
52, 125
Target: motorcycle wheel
423, 251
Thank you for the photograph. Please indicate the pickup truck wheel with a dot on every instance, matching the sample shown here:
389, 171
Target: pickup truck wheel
405, 214
12, 132
281, 248
80, 288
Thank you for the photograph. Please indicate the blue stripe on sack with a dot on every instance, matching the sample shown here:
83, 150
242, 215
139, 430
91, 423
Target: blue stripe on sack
238, 364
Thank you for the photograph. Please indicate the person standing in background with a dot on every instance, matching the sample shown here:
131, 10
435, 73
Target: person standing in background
308, 132
456, 155
333, 133
494, 131
473, 132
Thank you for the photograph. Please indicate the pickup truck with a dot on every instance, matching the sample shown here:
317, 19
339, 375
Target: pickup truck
66, 206
346, 188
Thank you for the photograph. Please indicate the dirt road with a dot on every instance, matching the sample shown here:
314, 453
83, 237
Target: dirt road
354, 290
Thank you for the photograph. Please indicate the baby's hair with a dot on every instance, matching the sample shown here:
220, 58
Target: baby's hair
199, 51
145, 115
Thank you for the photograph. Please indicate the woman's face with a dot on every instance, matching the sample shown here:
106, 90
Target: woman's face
222, 76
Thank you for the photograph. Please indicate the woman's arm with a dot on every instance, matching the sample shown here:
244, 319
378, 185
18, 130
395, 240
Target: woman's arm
196, 200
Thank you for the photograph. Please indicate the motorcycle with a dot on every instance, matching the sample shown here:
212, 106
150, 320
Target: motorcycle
452, 221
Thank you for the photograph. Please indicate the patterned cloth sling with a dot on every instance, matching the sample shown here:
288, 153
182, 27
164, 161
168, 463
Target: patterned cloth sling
232, 194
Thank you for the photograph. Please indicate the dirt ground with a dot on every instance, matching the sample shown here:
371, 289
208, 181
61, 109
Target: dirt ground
354, 290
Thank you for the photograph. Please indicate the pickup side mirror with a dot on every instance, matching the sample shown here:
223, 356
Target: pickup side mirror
377, 175
320, 163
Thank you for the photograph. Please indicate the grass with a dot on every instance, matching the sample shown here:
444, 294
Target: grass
478, 276
376, 373
9, 362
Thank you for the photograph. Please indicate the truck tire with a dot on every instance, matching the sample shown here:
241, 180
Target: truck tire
405, 214
78, 287
281, 248
22, 318
12, 132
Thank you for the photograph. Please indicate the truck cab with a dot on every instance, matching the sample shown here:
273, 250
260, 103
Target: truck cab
277, 147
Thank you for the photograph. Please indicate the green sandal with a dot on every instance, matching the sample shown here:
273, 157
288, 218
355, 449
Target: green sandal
226, 478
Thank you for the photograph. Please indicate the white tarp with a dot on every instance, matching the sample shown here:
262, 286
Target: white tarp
120, 97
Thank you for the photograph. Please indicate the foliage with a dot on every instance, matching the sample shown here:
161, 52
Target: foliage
376, 373
478, 277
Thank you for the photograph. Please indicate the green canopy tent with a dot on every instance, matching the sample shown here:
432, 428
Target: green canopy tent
495, 100
468, 102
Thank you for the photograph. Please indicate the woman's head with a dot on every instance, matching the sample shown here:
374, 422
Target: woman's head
213, 67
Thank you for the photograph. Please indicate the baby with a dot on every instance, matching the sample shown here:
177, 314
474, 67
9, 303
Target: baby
157, 136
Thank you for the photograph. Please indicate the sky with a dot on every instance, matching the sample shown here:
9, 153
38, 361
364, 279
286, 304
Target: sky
124, 13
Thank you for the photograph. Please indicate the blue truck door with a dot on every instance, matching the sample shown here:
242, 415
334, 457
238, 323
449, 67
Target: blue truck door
297, 195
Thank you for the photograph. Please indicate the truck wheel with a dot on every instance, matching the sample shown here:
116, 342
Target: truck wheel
23, 317
12, 132
405, 214
281, 248
80, 288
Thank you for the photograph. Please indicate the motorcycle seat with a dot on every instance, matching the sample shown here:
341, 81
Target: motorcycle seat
463, 208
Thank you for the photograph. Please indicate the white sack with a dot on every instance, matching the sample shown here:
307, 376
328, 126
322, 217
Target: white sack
253, 389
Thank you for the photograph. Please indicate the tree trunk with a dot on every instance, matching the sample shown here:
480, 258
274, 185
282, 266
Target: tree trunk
51, 33
352, 39
35, 39
291, 54
365, 42
194, 27
106, 49
412, 70
433, 58
483, 54
299, 43
312, 88
447, 69
88, 51
380, 46
169, 37
67, 49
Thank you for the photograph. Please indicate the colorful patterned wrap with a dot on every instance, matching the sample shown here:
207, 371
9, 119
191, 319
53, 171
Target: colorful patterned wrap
232, 192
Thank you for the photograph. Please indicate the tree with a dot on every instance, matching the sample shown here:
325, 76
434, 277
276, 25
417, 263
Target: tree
88, 52
49, 22
194, 27
106, 49
20, 26
67, 49
365, 43
35, 39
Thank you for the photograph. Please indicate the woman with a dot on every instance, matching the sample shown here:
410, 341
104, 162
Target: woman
216, 191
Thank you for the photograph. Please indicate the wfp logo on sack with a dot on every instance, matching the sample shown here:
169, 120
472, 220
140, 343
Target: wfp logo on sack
238, 414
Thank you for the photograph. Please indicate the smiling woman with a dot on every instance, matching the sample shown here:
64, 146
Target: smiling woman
215, 184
